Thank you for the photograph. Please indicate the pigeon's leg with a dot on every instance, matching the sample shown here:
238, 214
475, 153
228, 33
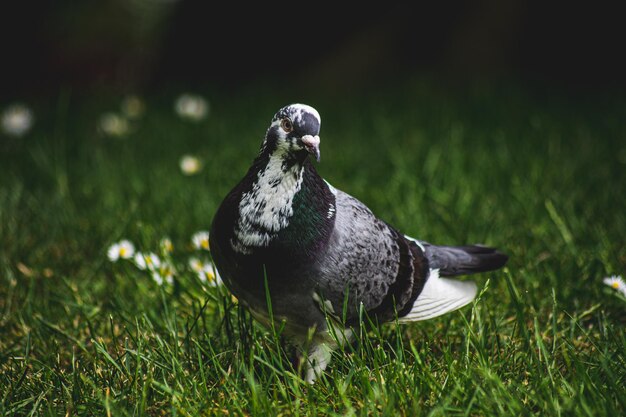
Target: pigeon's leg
316, 361
320, 350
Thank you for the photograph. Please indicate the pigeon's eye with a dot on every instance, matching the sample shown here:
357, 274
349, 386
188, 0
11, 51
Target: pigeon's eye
286, 125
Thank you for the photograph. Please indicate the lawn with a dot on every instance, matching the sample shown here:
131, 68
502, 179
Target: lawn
540, 176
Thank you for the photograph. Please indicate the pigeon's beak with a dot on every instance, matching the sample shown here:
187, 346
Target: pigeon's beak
312, 145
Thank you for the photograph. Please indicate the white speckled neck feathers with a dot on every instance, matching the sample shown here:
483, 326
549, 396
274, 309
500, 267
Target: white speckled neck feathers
267, 207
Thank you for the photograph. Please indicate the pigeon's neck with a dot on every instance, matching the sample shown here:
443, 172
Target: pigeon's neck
266, 207
313, 219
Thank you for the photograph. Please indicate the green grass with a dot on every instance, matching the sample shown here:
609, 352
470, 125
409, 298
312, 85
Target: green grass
544, 179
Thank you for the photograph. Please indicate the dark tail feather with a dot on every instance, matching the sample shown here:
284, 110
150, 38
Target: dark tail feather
463, 260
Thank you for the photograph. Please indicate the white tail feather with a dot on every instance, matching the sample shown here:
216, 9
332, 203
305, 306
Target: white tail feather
440, 296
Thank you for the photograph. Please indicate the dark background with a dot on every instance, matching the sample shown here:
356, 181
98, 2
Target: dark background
145, 45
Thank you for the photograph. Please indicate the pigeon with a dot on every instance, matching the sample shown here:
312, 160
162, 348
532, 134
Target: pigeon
296, 250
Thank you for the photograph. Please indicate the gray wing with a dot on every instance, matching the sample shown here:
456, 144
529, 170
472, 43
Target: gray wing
463, 260
368, 263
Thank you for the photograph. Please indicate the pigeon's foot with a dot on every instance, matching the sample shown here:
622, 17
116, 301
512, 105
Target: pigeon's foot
316, 361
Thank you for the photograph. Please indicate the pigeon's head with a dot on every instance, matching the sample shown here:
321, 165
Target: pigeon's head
294, 131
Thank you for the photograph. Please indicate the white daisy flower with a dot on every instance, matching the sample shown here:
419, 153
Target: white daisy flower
167, 272
191, 107
133, 107
157, 278
149, 261
616, 282
17, 120
195, 264
166, 245
211, 275
123, 249
205, 271
112, 124
190, 165
140, 261
200, 240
